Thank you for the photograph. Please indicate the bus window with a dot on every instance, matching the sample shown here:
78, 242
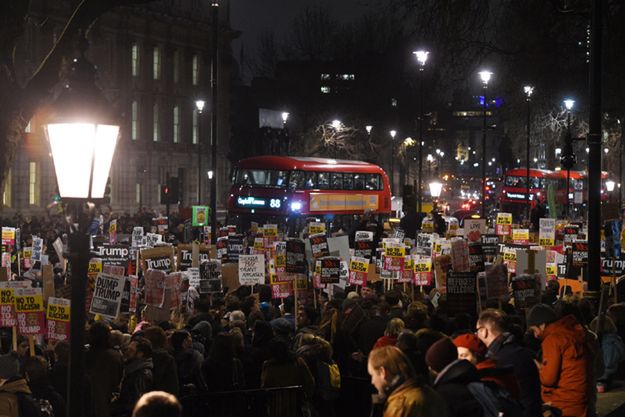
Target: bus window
297, 180
336, 180
359, 181
348, 181
373, 182
311, 180
323, 180
262, 177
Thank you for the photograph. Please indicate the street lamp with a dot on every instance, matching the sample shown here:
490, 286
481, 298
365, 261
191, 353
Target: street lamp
82, 135
285, 117
528, 90
393, 133
485, 76
287, 138
199, 106
609, 185
368, 129
422, 57
336, 124
568, 158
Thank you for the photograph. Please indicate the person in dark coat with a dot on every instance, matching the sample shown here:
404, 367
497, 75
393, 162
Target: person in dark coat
36, 372
259, 351
104, 368
221, 369
189, 362
165, 370
506, 351
451, 377
58, 374
138, 377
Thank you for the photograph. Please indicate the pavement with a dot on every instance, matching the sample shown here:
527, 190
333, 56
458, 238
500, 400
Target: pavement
612, 403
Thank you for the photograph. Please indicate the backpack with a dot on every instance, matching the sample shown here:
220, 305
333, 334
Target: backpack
495, 401
328, 378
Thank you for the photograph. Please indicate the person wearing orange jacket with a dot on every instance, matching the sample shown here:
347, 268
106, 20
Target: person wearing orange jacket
565, 360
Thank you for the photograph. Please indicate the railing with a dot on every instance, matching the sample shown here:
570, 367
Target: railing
264, 402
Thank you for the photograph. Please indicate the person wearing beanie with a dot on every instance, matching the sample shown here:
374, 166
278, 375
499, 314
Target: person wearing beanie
507, 353
451, 377
471, 348
399, 390
15, 395
565, 362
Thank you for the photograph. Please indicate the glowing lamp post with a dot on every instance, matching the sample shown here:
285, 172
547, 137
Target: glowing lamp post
422, 58
528, 90
436, 187
393, 133
82, 135
199, 106
485, 76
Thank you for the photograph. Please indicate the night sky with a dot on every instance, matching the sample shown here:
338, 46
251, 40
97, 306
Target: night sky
253, 17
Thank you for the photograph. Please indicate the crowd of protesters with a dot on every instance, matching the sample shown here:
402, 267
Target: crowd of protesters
416, 360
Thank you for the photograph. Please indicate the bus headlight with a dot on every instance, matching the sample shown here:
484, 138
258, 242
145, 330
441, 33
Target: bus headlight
296, 205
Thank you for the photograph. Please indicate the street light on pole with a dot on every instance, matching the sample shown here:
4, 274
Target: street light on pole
568, 158
199, 106
393, 133
83, 136
368, 128
422, 57
528, 90
285, 117
485, 76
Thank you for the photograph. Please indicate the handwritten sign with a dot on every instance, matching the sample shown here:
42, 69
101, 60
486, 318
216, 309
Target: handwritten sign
547, 232
251, 269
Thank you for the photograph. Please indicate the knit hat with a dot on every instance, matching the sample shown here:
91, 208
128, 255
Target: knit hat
441, 354
540, 314
9, 366
471, 342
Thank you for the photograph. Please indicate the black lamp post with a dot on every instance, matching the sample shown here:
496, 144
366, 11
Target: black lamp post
485, 77
568, 158
199, 106
422, 57
214, 101
528, 90
393, 133
83, 135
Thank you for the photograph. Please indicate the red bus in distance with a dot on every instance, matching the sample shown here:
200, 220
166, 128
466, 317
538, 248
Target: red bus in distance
285, 186
513, 195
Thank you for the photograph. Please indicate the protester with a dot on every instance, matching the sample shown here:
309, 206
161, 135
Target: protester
397, 386
138, 378
157, 404
284, 369
506, 351
165, 371
15, 395
221, 369
565, 360
36, 372
613, 350
393, 329
188, 361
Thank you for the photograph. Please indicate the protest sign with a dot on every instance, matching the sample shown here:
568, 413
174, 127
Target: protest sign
113, 231
490, 245
161, 258
358, 270
363, 236
37, 248
407, 275
547, 232
154, 290
184, 256
580, 253
211, 278
251, 269
423, 270
315, 228
496, 281
107, 295
474, 229
394, 256
570, 234
235, 247
281, 290
114, 255
363, 248
137, 236
503, 224
200, 215
461, 292
460, 255
29, 311
424, 244
521, 236
7, 304
476, 257
295, 256
524, 290
330, 269
319, 246
57, 316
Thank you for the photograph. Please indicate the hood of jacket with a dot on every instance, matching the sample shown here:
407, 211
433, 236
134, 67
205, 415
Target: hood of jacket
567, 328
15, 385
139, 365
458, 372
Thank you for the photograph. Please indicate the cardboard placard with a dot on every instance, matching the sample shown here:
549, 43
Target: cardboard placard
251, 269
461, 292
547, 232
154, 290
330, 269
474, 229
161, 258
107, 295
184, 255
295, 257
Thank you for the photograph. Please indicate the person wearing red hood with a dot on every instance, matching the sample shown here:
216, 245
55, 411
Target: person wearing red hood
565, 360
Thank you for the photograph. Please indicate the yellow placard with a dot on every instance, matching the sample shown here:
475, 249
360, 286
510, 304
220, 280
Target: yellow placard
28, 303
259, 243
316, 228
409, 263
270, 230
509, 255
504, 218
6, 296
423, 265
27, 253
342, 202
58, 312
358, 266
551, 269
521, 235
95, 267
395, 251
546, 242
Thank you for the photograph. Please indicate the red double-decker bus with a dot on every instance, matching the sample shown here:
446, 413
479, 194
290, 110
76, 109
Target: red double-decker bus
513, 196
273, 188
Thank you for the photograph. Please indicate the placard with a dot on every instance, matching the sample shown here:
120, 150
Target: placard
524, 290
200, 215
295, 257
137, 236
474, 229
251, 269
114, 255
7, 305
358, 270
424, 244
161, 258
29, 311
58, 315
235, 247
316, 228
521, 236
503, 224
476, 257
107, 295
461, 292
154, 289
37, 248
423, 270
580, 253
547, 232
330, 269
363, 236
184, 256
319, 246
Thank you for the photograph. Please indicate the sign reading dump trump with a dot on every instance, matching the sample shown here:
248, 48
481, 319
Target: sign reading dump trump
107, 295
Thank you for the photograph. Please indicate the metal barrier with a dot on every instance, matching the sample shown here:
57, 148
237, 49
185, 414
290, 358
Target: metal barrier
265, 402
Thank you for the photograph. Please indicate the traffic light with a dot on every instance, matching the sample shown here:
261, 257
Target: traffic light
165, 194
170, 192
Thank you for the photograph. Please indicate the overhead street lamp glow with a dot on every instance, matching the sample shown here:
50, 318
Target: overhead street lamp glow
569, 103
393, 133
422, 57
199, 105
436, 187
368, 128
285, 116
528, 90
485, 76
336, 124
609, 185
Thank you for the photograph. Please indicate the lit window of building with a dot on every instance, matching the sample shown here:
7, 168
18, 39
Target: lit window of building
7, 194
138, 193
134, 128
176, 119
156, 131
156, 63
394, 102
195, 70
33, 183
135, 59
195, 133
325, 76
325, 89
